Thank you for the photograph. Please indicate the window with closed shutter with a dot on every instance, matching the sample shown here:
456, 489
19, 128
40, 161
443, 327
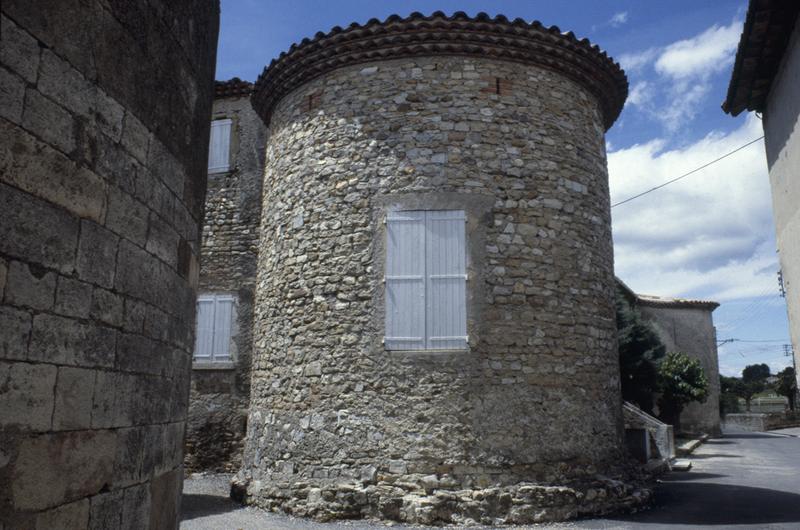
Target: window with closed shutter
219, 146
214, 320
426, 280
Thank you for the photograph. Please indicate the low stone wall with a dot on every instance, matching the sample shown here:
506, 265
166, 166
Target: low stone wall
757, 422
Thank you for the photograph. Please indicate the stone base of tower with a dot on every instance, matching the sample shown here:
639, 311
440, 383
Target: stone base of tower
441, 499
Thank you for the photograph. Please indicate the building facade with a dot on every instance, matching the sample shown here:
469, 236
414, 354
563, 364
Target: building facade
102, 184
686, 326
434, 333
220, 388
766, 79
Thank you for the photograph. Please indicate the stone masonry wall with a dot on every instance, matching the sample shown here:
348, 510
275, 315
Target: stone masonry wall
220, 393
104, 111
691, 330
340, 427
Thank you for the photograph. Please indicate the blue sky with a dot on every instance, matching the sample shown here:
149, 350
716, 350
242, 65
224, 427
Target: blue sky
708, 236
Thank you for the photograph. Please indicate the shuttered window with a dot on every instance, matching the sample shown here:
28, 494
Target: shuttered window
214, 319
219, 146
426, 280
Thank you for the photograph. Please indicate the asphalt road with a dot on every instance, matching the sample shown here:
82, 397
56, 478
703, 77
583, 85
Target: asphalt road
742, 480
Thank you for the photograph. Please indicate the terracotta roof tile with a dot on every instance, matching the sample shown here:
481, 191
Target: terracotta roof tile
232, 88
438, 34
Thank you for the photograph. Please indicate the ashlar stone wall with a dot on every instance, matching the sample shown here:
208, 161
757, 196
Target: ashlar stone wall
517, 427
104, 111
220, 392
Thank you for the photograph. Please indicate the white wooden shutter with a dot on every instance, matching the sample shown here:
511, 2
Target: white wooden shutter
219, 146
223, 316
203, 345
405, 281
445, 265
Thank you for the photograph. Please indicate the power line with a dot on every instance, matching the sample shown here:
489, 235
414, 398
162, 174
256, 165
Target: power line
726, 155
752, 340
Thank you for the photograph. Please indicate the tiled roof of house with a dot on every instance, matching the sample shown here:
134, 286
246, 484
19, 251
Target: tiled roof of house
660, 301
232, 88
767, 28
651, 300
439, 34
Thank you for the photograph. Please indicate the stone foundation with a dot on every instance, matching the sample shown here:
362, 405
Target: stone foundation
432, 499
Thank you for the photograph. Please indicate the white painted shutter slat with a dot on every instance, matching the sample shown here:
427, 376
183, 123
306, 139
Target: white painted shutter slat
205, 329
405, 281
222, 328
219, 146
446, 280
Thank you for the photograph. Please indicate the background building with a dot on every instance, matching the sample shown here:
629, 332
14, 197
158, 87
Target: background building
766, 79
220, 389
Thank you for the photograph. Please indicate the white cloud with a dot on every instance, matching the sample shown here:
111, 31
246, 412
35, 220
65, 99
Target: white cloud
618, 19
709, 52
708, 235
632, 62
679, 76
640, 94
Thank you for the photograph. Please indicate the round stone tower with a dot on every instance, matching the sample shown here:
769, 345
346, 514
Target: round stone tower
434, 326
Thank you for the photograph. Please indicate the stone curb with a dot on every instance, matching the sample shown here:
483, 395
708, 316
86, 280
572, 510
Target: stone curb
688, 448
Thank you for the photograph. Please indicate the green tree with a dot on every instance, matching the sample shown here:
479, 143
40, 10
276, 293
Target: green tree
640, 349
754, 380
730, 390
681, 380
787, 385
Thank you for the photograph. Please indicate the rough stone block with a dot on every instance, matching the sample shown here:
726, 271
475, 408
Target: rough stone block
142, 355
165, 166
26, 395
72, 465
15, 329
116, 165
141, 275
35, 230
63, 83
130, 453
153, 192
127, 216
113, 402
97, 253
66, 341
108, 115
74, 390
39, 169
157, 324
73, 297
134, 316
106, 509
162, 241
12, 95
136, 508
3, 275
135, 137
165, 492
107, 307
73, 515
18, 50
49, 121
30, 286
